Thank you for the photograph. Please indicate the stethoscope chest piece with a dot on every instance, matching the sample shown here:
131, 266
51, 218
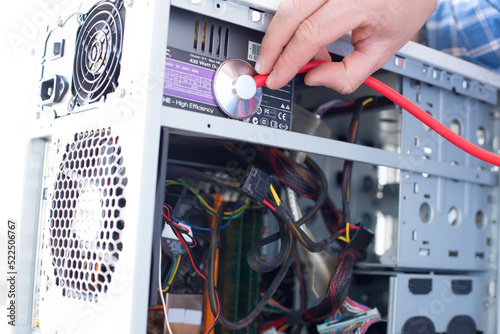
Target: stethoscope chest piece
235, 89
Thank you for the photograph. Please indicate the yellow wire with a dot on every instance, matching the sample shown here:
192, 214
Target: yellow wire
202, 200
368, 100
297, 233
347, 232
275, 195
283, 327
347, 237
173, 274
343, 239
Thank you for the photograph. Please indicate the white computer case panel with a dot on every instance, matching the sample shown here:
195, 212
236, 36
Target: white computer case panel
93, 124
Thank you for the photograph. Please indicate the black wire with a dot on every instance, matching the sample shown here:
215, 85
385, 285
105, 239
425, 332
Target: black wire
283, 215
299, 268
377, 103
200, 176
255, 261
323, 190
347, 168
268, 294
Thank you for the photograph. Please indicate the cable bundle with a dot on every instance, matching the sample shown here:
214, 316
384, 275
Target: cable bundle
352, 317
354, 248
337, 289
292, 174
307, 181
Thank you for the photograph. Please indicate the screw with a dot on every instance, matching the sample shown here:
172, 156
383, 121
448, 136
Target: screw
121, 92
255, 16
71, 105
81, 18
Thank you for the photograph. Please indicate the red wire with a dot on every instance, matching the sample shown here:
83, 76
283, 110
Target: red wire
276, 323
420, 114
269, 205
179, 226
168, 210
167, 217
202, 276
186, 231
354, 227
183, 242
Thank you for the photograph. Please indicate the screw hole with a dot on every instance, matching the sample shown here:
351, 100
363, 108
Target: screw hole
455, 127
426, 128
480, 219
481, 136
453, 216
425, 212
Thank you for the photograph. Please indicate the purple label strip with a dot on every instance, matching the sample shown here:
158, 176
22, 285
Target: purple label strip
189, 82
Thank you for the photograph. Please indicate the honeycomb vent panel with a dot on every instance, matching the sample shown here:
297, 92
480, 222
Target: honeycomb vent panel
86, 215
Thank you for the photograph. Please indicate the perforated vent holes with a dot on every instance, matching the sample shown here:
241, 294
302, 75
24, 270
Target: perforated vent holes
86, 223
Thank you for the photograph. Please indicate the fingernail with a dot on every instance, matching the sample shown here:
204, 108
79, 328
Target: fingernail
258, 65
314, 83
271, 78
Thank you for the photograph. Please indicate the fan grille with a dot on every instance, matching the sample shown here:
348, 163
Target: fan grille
98, 53
86, 223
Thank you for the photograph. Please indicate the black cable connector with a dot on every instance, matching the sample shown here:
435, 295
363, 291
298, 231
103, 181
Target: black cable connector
360, 241
256, 184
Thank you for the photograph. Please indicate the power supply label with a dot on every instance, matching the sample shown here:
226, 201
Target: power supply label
189, 81
189, 85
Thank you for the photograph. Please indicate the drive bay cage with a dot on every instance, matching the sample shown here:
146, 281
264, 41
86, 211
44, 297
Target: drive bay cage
124, 114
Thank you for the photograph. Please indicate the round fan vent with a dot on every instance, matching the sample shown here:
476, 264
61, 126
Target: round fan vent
98, 53
86, 216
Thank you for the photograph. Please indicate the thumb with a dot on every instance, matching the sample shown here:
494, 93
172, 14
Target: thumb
345, 76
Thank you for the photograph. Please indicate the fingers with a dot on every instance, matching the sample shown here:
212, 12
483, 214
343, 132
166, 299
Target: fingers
288, 17
301, 28
319, 29
346, 76
322, 55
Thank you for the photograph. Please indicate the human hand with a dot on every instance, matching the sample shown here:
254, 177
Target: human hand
379, 28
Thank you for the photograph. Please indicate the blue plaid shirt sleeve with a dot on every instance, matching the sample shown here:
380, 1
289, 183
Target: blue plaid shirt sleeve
469, 29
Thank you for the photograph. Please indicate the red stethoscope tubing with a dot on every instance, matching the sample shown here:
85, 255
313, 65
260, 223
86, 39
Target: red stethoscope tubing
413, 109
